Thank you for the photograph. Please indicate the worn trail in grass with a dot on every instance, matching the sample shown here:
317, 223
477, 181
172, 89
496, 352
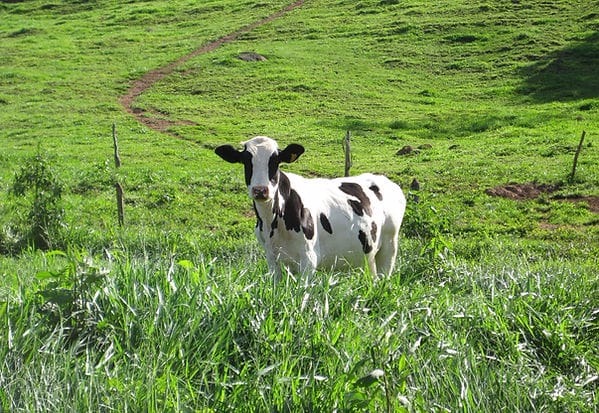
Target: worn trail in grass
149, 79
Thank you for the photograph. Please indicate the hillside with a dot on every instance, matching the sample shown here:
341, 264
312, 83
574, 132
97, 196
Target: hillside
494, 302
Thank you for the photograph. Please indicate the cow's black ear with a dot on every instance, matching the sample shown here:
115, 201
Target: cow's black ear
228, 153
291, 153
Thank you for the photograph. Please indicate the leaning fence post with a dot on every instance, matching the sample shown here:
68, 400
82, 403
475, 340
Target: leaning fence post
347, 150
120, 205
576, 156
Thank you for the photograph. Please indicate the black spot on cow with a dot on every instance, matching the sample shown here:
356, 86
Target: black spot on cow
376, 191
356, 206
307, 223
273, 226
373, 229
284, 187
295, 216
362, 205
326, 224
259, 223
366, 247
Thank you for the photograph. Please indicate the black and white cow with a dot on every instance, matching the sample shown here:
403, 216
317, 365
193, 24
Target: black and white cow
306, 224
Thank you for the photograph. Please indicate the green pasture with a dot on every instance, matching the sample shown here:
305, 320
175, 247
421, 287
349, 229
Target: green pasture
495, 301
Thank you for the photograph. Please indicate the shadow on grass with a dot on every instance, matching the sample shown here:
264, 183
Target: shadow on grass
567, 74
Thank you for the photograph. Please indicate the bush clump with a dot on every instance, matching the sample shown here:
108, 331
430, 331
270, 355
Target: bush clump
38, 189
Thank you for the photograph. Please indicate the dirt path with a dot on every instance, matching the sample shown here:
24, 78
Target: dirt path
146, 81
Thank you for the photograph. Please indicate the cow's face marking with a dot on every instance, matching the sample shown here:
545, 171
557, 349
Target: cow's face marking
261, 161
261, 158
362, 204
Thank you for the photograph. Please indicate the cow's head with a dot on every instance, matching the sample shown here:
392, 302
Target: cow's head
261, 157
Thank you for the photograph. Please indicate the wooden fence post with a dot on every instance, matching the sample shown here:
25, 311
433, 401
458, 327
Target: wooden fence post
347, 150
120, 205
576, 156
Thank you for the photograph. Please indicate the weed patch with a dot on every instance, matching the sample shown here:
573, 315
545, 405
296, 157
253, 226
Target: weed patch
37, 182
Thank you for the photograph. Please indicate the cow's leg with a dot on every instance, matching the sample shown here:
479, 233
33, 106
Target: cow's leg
274, 266
372, 264
385, 257
308, 263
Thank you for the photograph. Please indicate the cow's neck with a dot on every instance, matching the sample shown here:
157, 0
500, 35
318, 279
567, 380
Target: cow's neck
285, 212
268, 212
265, 214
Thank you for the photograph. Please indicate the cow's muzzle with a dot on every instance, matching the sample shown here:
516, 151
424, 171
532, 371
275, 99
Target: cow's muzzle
260, 192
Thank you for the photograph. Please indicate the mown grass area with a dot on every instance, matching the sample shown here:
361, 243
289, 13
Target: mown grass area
494, 302
66, 64
492, 94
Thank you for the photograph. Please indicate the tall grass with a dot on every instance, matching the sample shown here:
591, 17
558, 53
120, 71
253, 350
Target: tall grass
188, 333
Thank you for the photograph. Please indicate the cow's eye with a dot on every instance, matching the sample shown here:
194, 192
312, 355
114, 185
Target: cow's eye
273, 168
246, 158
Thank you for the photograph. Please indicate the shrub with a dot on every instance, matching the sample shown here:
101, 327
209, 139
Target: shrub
36, 182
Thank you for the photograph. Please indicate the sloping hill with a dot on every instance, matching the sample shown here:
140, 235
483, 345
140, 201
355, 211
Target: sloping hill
494, 304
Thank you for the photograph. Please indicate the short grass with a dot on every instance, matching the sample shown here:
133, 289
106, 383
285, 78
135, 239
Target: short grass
494, 304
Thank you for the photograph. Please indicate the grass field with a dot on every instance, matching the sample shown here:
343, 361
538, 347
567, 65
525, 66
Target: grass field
494, 305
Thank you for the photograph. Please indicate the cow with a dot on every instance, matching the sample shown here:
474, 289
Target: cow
307, 224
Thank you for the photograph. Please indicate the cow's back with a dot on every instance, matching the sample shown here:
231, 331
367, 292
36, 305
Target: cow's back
352, 216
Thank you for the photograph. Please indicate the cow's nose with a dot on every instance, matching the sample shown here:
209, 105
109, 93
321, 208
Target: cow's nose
260, 192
